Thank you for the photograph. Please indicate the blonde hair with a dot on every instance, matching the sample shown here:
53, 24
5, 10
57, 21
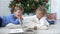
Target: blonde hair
42, 9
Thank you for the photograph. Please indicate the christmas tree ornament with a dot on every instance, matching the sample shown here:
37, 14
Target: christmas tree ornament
46, 1
36, 0
28, 5
18, 4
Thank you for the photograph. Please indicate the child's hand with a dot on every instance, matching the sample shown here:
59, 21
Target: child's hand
35, 27
20, 17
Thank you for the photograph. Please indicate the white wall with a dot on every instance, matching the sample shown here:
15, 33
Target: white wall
4, 10
55, 7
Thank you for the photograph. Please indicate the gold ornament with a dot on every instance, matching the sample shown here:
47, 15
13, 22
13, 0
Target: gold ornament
37, 0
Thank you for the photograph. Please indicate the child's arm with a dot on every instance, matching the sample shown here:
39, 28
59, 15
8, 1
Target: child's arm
43, 24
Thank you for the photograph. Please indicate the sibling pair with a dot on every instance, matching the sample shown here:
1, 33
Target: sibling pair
39, 19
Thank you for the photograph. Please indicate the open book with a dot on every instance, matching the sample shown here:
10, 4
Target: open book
17, 30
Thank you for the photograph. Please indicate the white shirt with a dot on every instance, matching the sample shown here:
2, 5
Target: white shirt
34, 21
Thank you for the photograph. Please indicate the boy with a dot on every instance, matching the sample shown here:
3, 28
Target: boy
15, 17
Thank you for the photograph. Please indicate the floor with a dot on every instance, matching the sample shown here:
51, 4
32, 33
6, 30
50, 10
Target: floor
54, 29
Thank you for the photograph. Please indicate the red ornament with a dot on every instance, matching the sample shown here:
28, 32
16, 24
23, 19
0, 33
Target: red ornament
18, 0
46, 1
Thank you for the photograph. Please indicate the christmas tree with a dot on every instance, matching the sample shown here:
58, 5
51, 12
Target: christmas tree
28, 5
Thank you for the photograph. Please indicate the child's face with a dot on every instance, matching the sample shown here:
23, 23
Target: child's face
49, 16
39, 14
18, 13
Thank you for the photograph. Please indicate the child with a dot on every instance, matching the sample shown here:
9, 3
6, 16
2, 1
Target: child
51, 19
39, 19
15, 17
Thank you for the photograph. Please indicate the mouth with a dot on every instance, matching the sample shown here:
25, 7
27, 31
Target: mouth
19, 15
